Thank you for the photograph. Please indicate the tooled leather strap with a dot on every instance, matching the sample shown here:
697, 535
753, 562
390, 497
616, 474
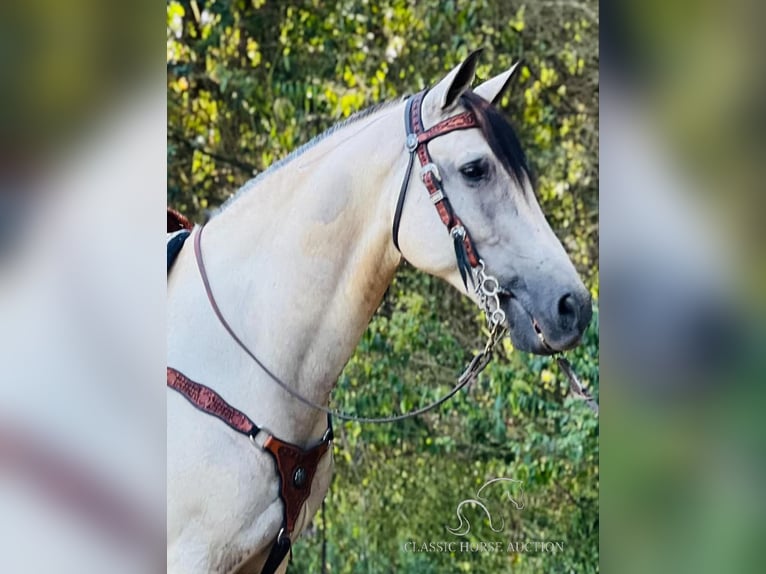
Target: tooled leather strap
296, 467
210, 402
416, 142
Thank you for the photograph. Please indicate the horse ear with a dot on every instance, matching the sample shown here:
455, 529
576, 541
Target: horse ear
452, 86
493, 89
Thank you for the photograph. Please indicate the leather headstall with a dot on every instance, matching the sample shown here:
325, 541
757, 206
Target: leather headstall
416, 143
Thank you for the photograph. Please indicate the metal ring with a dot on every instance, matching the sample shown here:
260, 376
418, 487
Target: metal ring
498, 316
257, 442
492, 280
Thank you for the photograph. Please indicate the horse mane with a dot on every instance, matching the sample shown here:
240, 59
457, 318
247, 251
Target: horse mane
497, 130
297, 152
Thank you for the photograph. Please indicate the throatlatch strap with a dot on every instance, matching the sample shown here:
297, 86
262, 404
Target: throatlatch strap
407, 175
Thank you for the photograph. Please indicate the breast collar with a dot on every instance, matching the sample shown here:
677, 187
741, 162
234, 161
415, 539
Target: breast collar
295, 466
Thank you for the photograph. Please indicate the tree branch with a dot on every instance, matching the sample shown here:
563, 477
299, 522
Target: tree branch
248, 168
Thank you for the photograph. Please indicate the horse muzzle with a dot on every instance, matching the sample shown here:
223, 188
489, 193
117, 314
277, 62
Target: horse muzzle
550, 328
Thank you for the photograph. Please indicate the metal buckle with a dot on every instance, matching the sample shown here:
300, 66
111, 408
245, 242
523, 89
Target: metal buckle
437, 197
430, 167
411, 143
257, 441
458, 231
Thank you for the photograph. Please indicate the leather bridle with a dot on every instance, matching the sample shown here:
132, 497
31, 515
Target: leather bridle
470, 265
416, 143
486, 287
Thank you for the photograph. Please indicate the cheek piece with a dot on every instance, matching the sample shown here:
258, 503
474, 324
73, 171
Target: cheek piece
416, 143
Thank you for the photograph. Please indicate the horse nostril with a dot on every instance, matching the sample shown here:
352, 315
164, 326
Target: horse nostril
567, 308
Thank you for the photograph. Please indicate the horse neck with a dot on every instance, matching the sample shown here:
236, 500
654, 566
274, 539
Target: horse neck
301, 261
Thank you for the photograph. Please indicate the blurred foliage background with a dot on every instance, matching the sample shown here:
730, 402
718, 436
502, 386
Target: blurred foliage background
250, 80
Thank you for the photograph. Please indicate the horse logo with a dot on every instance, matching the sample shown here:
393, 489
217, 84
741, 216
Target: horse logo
464, 526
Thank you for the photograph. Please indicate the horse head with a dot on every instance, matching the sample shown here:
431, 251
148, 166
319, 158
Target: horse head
485, 176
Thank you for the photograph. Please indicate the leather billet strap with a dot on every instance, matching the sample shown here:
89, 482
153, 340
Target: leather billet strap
416, 142
296, 466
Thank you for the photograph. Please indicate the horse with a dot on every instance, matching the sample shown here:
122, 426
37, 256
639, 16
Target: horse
293, 267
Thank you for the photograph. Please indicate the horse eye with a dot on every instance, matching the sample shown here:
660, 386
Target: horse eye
474, 171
